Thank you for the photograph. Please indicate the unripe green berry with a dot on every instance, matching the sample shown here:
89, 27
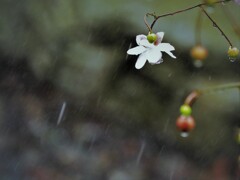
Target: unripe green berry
233, 52
185, 110
210, 2
151, 37
238, 136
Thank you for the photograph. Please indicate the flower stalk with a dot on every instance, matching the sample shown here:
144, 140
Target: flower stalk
194, 95
215, 25
180, 11
146, 23
187, 9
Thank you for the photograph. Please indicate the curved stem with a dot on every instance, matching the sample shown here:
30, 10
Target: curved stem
180, 11
215, 25
145, 21
187, 9
219, 88
234, 23
194, 95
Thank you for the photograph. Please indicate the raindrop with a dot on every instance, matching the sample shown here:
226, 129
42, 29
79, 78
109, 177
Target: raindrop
184, 134
60, 117
130, 45
232, 59
140, 154
198, 63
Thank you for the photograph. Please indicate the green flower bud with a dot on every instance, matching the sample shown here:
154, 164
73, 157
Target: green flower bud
233, 52
210, 2
185, 110
151, 37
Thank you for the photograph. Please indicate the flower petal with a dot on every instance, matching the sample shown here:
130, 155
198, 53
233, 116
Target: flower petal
159, 62
166, 47
145, 43
140, 61
136, 50
153, 55
140, 38
160, 37
171, 54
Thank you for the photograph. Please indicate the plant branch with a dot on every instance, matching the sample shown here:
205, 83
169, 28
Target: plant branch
180, 11
215, 25
145, 21
219, 88
234, 23
194, 95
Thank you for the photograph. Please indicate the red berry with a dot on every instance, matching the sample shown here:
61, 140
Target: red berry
185, 123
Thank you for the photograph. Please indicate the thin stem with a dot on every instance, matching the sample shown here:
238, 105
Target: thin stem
194, 95
219, 88
145, 21
187, 9
233, 21
215, 25
180, 11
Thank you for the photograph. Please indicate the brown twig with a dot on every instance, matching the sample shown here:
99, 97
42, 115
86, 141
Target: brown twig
215, 25
194, 95
145, 21
180, 11
187, 9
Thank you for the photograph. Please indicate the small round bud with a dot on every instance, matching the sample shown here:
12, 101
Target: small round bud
233, 52
210, 2
238, 139
185, 123
199, 52
151, 37
238, 136
185, 110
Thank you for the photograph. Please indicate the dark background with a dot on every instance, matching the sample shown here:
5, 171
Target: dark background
72, 105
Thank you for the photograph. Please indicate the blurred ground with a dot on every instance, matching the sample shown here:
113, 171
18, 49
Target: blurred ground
72, 105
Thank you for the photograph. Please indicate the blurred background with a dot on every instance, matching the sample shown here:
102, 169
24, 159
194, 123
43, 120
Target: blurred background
73, 106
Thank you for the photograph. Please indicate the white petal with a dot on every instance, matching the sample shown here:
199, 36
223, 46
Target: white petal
140, 61
140, 37
145, 43
153, 55
171, 54
160, 36
136, 50
166, 47
159, 62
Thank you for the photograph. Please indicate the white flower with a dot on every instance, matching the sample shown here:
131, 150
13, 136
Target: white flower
151, 52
